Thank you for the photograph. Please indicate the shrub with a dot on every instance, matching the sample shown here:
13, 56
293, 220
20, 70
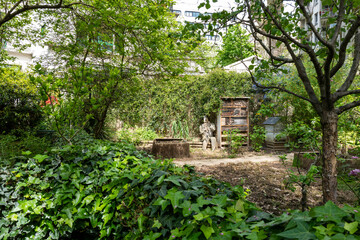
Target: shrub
257, 138
136, 135
108, 191
12, 146
19, 104
114, 192
236, 141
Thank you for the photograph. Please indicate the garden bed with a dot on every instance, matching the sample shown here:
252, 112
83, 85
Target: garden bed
266, 188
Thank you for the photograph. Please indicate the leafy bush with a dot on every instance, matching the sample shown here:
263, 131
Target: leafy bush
302, 136
180, 129
19, 104
257, 138
12, 146
136, 135
236, 141
108, 191
114, 192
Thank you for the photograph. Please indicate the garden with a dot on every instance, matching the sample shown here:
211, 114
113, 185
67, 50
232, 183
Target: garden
53, 188
74, 123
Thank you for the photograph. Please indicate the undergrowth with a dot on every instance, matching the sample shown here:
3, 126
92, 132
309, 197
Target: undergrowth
112, 191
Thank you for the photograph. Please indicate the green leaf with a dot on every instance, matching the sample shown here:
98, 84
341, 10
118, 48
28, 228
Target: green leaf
220, 200
301, 232
174, 196
26, 153
107, 217
69, 222
341, 236
199, 217
88, 199
207, 231
174, 180
40, 157
140, 221
201, 201
162, 202
328, 212
157, 224
351, 227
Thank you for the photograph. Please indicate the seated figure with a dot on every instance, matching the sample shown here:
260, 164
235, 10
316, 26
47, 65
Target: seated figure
206, 130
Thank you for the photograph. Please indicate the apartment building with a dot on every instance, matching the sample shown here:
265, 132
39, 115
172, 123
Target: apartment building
187, 11
319, 16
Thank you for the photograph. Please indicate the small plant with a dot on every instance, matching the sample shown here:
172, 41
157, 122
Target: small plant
352, 181
257, 138
300, 179
136, 135
180, 129
236, 141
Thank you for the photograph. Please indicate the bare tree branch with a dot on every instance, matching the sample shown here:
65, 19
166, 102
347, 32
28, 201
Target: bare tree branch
339, 20
353, 70
11, 14
344, 44
257, 84
346, 107
312, 27
268, 51
346, 93
307, 48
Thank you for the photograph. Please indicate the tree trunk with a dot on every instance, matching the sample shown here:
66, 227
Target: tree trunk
329, 121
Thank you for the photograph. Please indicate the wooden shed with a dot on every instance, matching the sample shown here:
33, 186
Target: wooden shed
234, 114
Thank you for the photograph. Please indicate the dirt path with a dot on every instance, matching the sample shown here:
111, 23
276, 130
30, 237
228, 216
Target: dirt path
263, 175
248, 157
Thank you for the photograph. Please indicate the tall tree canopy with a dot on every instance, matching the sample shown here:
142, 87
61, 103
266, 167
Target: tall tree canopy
284, 35
98, 55
236, 46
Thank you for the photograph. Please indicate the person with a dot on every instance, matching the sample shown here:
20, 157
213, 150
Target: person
206, 130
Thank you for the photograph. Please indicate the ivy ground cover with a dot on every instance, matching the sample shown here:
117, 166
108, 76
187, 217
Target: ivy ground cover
109, 191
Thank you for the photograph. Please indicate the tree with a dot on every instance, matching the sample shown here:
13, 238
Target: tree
236, 46
337, 42
99, 54
16, 14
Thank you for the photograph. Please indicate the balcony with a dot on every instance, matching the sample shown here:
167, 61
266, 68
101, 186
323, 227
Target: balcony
327, 12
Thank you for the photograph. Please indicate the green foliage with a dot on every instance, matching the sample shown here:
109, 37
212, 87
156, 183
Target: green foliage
186, 99
19, 103
302, 136
236, 140
101, 66
257, 138
12, 146
303, 180
352, 181
236, 46
180, 129
136, 135
111, 191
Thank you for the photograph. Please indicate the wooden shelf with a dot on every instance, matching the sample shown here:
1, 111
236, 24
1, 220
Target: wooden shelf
235, 125
226, 107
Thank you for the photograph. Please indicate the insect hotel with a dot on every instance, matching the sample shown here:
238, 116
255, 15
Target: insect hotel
234, 114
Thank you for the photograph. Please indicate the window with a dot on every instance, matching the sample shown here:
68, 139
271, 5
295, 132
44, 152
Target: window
177, 12
212, 38
315, 2
191, 14
316, 19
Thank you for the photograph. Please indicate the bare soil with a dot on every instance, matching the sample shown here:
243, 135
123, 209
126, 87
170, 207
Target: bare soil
263, 174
